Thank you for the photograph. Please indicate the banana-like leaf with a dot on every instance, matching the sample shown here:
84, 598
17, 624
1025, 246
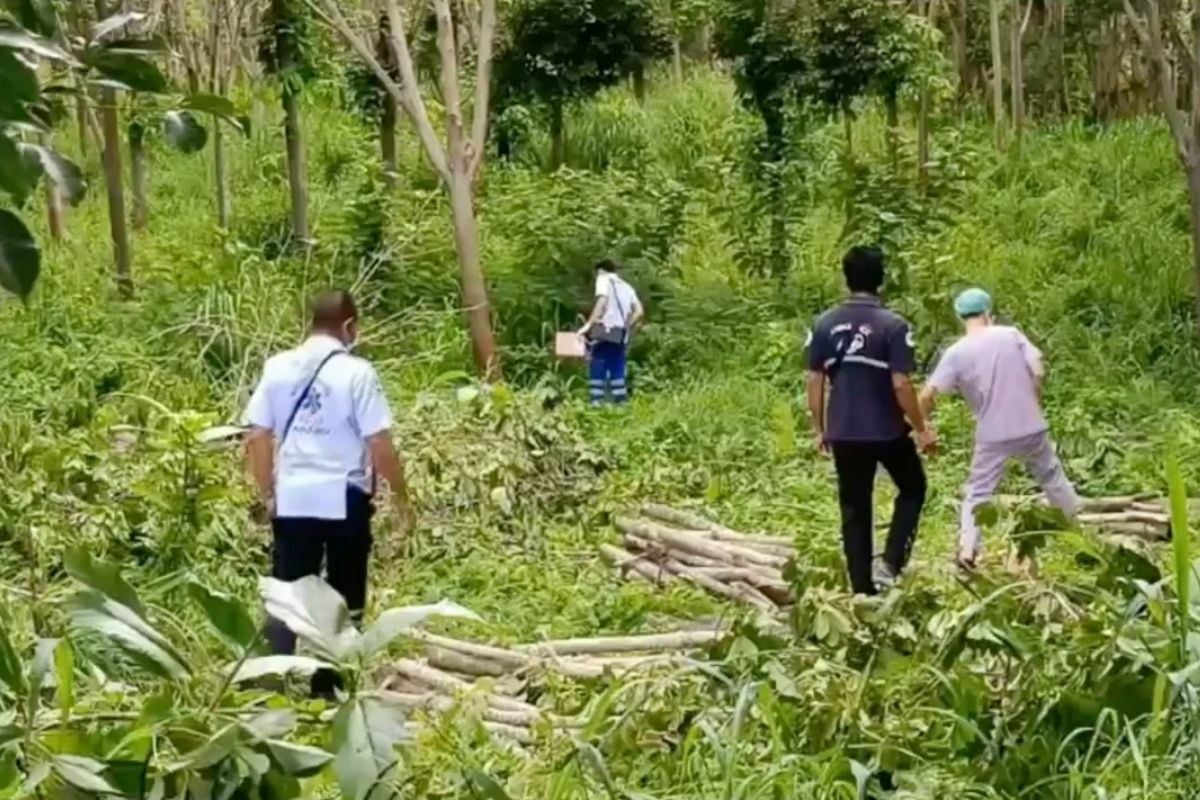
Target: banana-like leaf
184, 132
93, 612
20, 259
17, 39
228, 616
114, 23
253, 668
397, 621
12, 669
83, 773
60, 170
366, 731
314, 611
298, 760
103, 576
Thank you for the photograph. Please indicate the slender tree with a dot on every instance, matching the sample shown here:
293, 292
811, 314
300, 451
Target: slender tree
998, 116
460, 160
286, 56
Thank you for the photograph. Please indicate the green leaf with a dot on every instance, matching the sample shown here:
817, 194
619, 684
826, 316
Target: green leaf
314, 611
61, 171
20, 259
19, 77
254, 668
128, 71
38, 16
484, 786
64, 674
211, 104
10, 733
17, 39
103, 576
365, 734
93, 612
227, 615
83, 774
143, 46
184, 132
12, 669
17, 179
397, 621
271, 724
114, 23
1181, 548
301, 761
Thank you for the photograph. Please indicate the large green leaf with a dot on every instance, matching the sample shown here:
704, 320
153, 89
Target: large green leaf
112, 24
20, 259
227, 615
211, 104
93, 612
366, 731
314, 611
140, 46
83, 773
103, 576
58, 169
484, 786
64, 675
277, 666
128, 71
17, 178
19, 77
184, 132
38, 16
19, 39
12, 669
1181, 549
397, 621
301, 761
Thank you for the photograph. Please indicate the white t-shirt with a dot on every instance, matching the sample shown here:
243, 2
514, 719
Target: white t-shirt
622, 300
325, 451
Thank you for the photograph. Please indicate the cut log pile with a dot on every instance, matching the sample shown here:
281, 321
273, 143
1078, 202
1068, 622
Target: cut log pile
453, 669
1143, 516
665, 545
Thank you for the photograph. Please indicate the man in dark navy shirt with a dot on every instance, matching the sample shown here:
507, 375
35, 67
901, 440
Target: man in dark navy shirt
866, 353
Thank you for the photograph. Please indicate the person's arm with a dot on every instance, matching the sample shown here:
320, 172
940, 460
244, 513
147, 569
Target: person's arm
260, 459
906, 396
1034, 360
816, 407
927, 400
389, 465
598, 307
902, 361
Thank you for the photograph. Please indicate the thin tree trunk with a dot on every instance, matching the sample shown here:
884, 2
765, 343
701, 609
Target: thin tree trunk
114, 188
558, 135
293, 136
221, 176
1193, 181
137, 176
923, 138
474, 288
1019, 23
780, 258
892, 104
997, 72
81, 119
677, 59
959, 26
54, 201
387, 142
639, 82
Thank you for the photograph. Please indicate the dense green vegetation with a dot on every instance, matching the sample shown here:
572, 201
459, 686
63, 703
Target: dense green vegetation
1080, 684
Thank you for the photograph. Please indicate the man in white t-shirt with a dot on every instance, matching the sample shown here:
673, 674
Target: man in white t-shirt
616, 314
320, 434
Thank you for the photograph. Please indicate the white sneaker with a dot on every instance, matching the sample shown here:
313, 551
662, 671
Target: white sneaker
884, 576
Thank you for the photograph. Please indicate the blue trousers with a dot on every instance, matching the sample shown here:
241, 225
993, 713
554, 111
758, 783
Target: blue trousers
607, 368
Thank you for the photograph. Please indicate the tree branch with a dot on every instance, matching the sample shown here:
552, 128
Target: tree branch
407, 96
483, 84
1149, 31
451, 88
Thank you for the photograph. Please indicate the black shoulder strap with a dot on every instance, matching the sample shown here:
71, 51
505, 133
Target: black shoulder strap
304, 396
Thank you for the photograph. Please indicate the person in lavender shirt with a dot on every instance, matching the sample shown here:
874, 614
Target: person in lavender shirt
999, 373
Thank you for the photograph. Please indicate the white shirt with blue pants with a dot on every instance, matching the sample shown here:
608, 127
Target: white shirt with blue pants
323, 476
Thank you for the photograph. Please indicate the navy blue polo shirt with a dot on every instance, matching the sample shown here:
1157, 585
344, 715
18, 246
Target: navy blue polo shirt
858, 345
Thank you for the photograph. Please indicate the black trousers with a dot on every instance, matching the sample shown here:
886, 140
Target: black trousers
856, 464
344, 546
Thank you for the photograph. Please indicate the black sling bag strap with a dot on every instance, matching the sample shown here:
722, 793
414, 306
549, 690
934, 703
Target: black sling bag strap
304, 396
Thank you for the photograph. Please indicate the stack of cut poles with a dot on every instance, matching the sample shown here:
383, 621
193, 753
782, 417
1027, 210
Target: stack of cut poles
664, 545
1143, 516
450, 667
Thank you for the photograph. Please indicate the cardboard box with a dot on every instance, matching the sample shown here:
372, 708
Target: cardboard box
569, 345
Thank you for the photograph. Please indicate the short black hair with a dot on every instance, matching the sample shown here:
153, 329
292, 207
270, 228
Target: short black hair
863, 268
333, 308
607, 265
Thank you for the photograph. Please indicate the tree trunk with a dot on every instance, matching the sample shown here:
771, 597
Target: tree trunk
1193, 180
892, 103
776, 144
558, 135
293, 136
1017, 68
959, 24
387, 142
54, 201
474, 288
639, 82
677, 59
81, 119
923, 139
114, 188
221, 176
137, 176
997, 72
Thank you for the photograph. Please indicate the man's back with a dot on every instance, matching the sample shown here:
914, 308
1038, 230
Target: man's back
997, 371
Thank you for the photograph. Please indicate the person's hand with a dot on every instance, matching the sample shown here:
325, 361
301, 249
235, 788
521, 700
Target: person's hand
927, 441
821, 444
